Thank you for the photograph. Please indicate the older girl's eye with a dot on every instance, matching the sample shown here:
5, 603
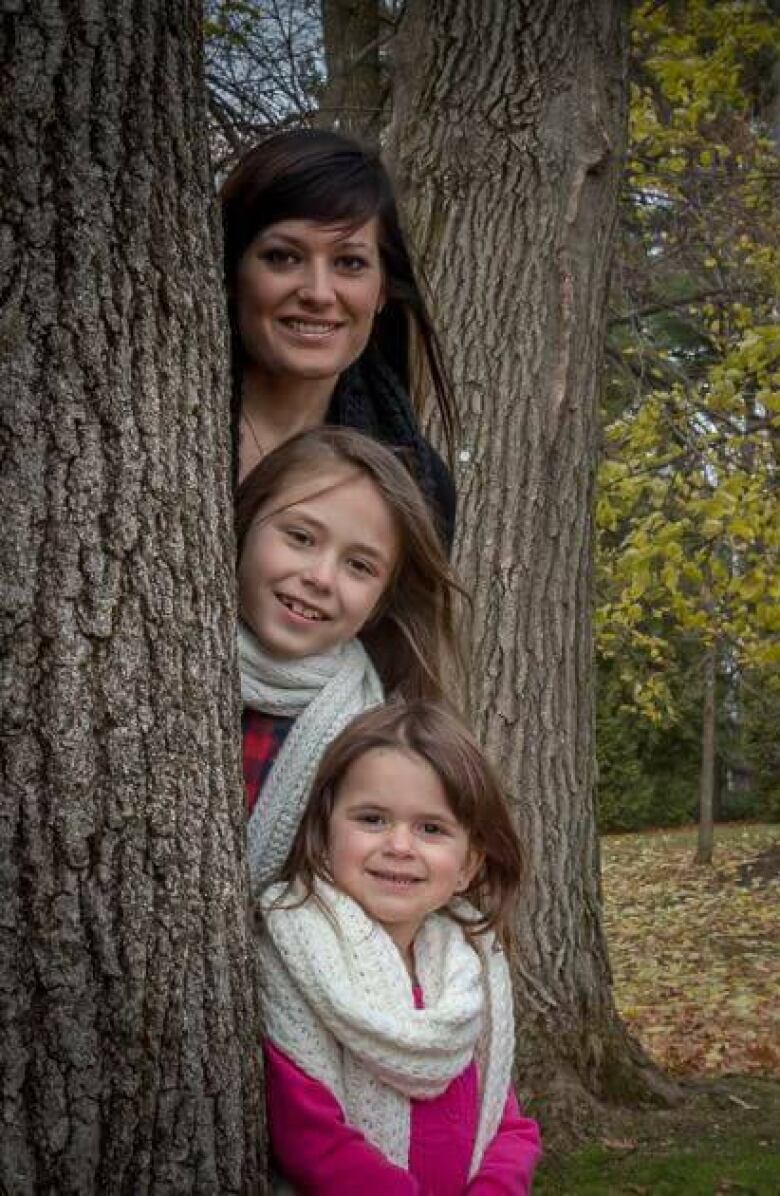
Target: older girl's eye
433, 828
359, 565
298, 535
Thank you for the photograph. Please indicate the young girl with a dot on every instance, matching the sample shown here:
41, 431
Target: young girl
335, 541
386, 995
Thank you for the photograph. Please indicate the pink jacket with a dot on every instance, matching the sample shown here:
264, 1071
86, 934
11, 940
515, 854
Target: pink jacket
319, 1153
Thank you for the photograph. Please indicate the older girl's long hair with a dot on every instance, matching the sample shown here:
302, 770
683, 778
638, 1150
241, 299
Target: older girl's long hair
433, 732
411, 636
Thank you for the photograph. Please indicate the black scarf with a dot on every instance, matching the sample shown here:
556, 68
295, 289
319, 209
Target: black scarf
370, 398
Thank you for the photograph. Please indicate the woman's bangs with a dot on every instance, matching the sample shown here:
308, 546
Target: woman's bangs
346, 197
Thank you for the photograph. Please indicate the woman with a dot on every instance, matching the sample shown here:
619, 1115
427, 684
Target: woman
324, 306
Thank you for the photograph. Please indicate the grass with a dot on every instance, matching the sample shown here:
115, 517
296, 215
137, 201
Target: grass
724, 1139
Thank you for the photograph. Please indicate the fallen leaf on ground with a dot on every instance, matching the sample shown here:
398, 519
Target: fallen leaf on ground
695, 953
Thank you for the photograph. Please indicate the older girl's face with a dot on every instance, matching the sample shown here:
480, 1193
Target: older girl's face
315, 565
306, 297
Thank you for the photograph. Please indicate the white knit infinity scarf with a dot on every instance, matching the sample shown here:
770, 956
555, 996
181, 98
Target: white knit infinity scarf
323, 694
338, 1000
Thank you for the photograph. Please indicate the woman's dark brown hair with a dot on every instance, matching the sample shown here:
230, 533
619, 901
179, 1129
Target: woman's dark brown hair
315, 174
434, 733
411, 636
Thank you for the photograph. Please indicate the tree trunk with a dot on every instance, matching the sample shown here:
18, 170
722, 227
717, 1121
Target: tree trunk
508, 133
352, 99
707, 777
128, 1016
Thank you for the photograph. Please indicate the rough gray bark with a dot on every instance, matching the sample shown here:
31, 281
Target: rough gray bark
706, 833
127, 1012
352, 98
508, 135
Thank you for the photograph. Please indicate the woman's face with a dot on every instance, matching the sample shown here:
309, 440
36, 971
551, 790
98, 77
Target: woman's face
306, 297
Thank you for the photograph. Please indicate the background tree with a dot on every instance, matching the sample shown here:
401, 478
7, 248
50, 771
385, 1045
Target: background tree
689, 537
272, 63
129, 1057
264, 69
354, 94
508, 135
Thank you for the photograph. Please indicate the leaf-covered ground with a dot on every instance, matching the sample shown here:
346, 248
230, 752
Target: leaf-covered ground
694, 950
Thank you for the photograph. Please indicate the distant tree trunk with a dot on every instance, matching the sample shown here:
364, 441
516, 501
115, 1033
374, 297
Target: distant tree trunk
352, 99
128, 1017
707, 777
508, 134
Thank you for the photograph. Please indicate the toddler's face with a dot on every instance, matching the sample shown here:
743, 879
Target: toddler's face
394, 844
314, 567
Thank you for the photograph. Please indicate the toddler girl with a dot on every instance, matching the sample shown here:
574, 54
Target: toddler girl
386, 995
335, 541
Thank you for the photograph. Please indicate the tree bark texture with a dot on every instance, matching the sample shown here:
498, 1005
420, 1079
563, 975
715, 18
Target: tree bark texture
128, 1017
352, 99
706, 832
508, 139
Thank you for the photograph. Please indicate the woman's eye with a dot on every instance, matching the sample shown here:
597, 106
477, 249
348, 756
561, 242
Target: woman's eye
352, 264
279, 257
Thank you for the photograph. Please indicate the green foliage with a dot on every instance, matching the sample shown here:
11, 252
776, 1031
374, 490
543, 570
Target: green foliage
647, 770
762, 741
687, 516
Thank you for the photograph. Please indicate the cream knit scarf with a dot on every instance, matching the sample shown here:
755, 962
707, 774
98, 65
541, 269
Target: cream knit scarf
338, 1000
323, 694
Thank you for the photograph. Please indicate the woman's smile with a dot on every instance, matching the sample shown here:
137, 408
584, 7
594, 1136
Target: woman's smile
314, 330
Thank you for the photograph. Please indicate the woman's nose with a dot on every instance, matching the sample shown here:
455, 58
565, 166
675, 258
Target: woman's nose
317, 283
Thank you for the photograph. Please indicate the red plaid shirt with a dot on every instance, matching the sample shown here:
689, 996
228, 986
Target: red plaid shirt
263, 736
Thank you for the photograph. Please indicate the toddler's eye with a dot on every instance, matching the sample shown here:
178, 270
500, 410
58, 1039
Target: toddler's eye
369, 818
